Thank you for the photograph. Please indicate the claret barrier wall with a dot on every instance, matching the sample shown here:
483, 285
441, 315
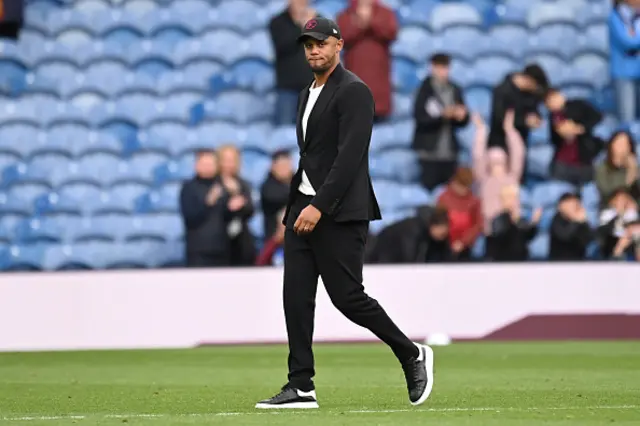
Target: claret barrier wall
185, 308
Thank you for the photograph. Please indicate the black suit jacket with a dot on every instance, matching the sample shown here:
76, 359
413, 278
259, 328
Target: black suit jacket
335, 153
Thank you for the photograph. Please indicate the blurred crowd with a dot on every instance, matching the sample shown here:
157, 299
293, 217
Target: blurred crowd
480, 199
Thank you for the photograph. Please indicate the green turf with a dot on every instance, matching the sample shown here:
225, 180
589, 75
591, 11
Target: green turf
582, 384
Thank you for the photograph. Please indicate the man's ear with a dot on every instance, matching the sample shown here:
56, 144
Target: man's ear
340, 45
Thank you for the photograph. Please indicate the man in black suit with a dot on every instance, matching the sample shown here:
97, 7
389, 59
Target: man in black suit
331, 202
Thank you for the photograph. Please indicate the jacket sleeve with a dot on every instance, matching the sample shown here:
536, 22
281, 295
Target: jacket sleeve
424, 119
516, 153
479, 154
501, 225
470, 236
619, 33
355, 123
384, 24
604, 183
248, 209
500, 103
193, 207
283, 43
460, 101
351, 32
272, 198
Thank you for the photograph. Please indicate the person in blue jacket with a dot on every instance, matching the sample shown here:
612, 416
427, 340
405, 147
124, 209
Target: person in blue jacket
624, 38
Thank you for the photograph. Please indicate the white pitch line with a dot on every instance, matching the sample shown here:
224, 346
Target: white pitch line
254, 413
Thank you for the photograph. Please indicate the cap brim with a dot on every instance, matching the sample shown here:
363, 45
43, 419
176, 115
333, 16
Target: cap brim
313, 35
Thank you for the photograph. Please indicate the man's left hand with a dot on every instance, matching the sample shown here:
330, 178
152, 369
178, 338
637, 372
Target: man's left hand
307, 220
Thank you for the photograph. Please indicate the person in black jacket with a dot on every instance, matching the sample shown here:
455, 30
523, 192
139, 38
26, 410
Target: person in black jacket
331, 203
274, 192
570, 231
522, 92
203, 205
510, 233
621, 211
423, 238
292, 71
571, 128
240, 206
438, 111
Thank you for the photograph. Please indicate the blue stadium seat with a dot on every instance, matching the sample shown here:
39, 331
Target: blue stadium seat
216, 43
417, 12
12, 204
399, 165
284, 137
402, 106
253, 75
39, 230
255, 167
18, 139
166, 227
560, 39
163, 200
245, 17
596, 38
174, 171
464, 42
150, 57
260, 46
446, 15
140, 167
413, 195
404, 76
201, 70
555, 68
56, 257
590, 69
72, 38
122, 37
413, 43
539, 160
540, 135
511, 40
491, 70
479, 100
539, 247
543, 13
238, 107
384, 138
26, 257
21, 173
109, 19
389, 217
590, 196
546, 194
170, 38
87, 54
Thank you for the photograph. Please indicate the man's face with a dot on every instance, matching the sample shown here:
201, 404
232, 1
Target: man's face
554, 101
206, 166
439, 232
298, 4
570, 207
229, 162
440, 72
281, 168
322, 55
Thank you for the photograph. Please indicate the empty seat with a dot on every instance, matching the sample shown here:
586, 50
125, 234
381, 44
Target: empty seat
415, 44
404, 75
539, 160
560, 39
454, 14
490, 70
542, 13
546, 194
539, 247
464, 42
511, 40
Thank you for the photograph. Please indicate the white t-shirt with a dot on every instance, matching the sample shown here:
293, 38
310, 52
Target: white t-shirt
314, 92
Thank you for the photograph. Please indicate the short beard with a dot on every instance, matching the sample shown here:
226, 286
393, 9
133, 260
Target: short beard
321, 70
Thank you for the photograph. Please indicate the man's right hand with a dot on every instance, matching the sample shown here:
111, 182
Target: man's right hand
214, 194
533, 120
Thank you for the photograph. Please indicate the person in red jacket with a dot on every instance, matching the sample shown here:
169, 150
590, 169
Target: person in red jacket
274, 246
368, 29
465, 213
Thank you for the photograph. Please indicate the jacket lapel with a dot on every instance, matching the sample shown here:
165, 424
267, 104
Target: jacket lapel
304, 96
330, 88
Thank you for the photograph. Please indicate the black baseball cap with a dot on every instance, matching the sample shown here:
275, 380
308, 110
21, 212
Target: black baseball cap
320, 28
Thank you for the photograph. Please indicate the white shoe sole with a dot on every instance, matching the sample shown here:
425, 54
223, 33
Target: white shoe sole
428, 363
292, 405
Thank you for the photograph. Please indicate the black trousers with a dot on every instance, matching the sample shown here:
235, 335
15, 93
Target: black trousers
435, 173
334, 251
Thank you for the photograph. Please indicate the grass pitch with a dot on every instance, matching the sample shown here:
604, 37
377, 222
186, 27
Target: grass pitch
579, 383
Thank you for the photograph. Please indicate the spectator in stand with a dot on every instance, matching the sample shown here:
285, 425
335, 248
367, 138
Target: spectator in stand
628, 245
274, 193
624, 41
571, 128
521, 91
621, 212
272, 252
465, 213
494, 170
203, 205
570, 231
420, 239
292, 70
619, 169
368, 29
240, 205
511, 234
438, 111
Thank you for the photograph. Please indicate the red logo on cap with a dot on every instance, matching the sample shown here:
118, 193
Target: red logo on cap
311, 24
